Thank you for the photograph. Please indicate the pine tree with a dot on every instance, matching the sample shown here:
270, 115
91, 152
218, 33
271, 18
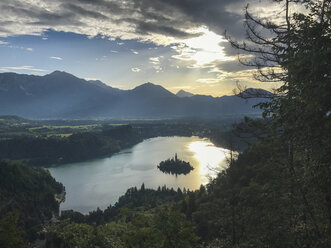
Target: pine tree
297, 53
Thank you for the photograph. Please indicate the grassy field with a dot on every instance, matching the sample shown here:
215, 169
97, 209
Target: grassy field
49, 127
12, 126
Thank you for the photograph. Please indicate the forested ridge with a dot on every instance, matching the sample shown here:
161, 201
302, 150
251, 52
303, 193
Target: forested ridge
275, 194
44, 151
27, 202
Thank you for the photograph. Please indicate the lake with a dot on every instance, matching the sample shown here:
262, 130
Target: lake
100, 182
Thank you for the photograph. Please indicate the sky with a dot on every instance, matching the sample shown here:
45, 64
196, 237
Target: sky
178, 44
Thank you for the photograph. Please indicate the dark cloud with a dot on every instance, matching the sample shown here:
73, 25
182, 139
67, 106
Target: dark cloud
112, 7
228, 49
166, 17
83, 12
4, 31
230, 66
147, 27
41, 16
211, 13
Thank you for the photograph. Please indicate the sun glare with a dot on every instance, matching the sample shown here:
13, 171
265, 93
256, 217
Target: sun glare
205, 48
211, 159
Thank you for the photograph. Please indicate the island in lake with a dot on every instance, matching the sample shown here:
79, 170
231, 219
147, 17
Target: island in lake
175, 166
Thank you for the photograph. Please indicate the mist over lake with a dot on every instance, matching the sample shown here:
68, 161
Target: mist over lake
99, 182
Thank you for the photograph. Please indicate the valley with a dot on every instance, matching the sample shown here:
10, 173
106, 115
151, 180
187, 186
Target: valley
53, 142
165, 124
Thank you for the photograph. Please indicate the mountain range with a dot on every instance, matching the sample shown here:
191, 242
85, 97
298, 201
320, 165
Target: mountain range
62, 95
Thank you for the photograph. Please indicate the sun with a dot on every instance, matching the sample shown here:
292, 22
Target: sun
203, 49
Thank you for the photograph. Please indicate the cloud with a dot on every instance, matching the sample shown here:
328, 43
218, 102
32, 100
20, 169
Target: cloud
154, 60
156, 63
9, 45
157, 21
162, 22
92, 79
20, 68
135, 69
102, 58
201, 50
84, 12
150, 27
56, 58
208, 80
134, 51
113, 51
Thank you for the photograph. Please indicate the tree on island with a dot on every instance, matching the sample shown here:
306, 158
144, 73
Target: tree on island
175, 166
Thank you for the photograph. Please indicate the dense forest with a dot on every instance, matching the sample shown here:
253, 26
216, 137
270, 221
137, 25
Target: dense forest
29, 199
275, 194
43, 151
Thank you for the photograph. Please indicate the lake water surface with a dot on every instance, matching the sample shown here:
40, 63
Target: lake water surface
99, 182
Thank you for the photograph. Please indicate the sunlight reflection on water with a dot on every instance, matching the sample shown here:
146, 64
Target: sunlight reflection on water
210, 158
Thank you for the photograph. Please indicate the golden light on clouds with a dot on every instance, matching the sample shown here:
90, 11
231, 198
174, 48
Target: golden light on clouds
201, 50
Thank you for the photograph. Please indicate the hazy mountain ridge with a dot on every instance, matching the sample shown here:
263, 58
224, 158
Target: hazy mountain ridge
183, 93
255, 93
62, 95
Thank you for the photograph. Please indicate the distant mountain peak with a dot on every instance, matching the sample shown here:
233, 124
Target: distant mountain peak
183, 93
150, 89
255, 93
99, 83
148, 84
61, 74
